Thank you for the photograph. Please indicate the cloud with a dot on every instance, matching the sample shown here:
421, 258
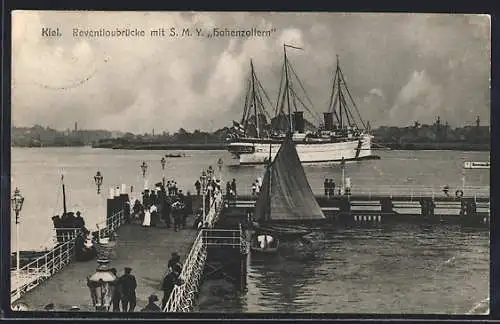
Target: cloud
419, 99
377, 92
408, 66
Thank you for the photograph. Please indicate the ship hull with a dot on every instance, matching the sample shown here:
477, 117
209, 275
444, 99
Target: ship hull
311, 152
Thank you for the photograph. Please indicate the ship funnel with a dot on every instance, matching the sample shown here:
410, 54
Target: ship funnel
298, 121
328, 118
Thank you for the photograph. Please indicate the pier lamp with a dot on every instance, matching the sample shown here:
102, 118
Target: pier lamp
98, 181
220, 163
102, 283
203, 180
163, 162
17, 204
342, 166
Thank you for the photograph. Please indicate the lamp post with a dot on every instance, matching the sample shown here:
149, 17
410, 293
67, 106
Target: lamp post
342, 166
163, 161
203, 179
98, 181
144, 168
17, 204
220, 163
210, 174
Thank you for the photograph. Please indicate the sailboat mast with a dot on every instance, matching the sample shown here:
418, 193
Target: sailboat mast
269, 185
254, 101
64, 195
287, 91
339, 93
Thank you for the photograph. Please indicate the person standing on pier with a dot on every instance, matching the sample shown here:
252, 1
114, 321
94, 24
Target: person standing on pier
233, 187
176, 189
128, 285
174, 264
117, 292
197, 186
177, 214
155, 218
167, 287
254, 188
326, 187
188, 208
331, 187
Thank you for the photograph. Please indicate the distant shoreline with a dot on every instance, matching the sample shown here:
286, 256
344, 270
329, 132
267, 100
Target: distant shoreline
379, 146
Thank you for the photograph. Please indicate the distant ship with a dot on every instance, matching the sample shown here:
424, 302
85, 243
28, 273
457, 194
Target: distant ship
346, 139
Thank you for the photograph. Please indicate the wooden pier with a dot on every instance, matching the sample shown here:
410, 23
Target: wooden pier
219, 250
369, 209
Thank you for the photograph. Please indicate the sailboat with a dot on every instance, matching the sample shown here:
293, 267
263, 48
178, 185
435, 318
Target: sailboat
346, 139
286, 200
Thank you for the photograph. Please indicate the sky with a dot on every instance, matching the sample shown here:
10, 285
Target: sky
399, 67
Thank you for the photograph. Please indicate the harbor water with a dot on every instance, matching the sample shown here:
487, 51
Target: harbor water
398, 269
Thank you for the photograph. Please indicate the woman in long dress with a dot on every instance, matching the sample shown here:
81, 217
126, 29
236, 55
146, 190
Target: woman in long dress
147, 218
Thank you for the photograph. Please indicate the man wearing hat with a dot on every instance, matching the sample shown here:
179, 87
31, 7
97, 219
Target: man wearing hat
128, 285
174, 263
49, 307
151, 306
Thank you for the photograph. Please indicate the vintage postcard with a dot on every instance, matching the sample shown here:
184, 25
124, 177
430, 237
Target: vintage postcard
237, 162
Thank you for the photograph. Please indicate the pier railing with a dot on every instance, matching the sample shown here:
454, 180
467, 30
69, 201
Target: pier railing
42, 268
183, 295
106, 228
35, 272
416, 191
401, 190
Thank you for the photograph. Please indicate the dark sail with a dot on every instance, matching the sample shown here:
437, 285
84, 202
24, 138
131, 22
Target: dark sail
286, 193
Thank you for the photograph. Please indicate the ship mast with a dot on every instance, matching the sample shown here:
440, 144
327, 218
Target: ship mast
287, 90
268, 214
64, 195
339, 94
254, 101
345, 102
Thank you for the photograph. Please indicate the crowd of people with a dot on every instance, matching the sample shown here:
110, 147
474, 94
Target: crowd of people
66, 225
164, 204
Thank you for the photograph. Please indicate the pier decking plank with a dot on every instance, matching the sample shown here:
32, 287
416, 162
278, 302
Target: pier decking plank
145, 250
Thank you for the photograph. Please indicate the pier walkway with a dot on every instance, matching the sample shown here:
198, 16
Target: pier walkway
145, 249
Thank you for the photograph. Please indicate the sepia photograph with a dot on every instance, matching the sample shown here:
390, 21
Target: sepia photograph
250, 162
